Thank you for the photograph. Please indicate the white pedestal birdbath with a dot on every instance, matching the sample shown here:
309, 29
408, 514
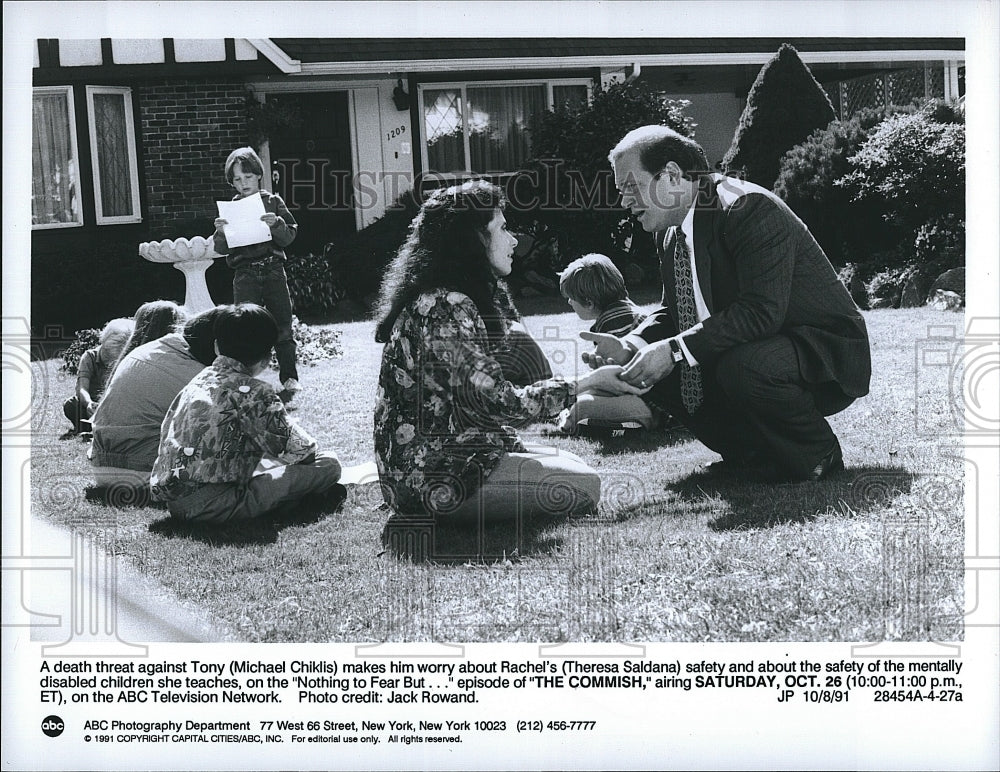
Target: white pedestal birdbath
192, 257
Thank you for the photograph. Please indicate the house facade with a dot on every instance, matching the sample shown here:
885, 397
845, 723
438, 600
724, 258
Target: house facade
130, 136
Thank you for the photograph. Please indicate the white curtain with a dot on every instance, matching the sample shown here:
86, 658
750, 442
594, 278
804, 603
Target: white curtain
54, 184
499, 119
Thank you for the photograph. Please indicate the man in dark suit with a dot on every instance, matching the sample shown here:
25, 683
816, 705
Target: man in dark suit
757, 339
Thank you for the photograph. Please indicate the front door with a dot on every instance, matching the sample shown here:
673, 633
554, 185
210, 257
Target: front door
311, 167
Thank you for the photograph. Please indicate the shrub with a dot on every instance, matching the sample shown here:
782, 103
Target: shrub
85, 339
784, 106
571, 185
848, 231
312, 284
912, 166
313, 344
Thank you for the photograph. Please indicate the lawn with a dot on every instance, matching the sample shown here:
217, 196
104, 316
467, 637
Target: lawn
671, 555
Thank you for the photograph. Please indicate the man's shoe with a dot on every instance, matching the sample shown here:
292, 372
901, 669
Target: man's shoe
831, 463
291, 385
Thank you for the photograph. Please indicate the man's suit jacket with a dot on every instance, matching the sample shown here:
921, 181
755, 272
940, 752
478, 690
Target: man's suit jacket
762, 274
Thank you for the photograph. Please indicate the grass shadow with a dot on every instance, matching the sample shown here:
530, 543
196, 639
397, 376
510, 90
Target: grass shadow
257, 531
122, 496
751, 504
422, 539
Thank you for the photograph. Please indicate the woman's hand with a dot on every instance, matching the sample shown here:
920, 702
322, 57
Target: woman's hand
606, 382
220, 223
269, 219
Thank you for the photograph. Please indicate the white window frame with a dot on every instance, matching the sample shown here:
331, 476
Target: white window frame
136, 215
75, 148
462, 87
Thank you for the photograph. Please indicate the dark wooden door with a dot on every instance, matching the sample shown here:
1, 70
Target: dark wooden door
311, 167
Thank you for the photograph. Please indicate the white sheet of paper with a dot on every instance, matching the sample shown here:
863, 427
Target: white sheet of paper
244, 225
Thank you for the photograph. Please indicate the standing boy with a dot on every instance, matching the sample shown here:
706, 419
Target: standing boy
224, 422
260, 268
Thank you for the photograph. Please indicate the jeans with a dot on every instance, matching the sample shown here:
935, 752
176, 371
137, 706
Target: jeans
266, 285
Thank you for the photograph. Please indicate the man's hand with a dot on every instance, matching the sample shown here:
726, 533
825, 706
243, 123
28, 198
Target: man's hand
220, 223
608, 350
269, 219
606, 382
652, 364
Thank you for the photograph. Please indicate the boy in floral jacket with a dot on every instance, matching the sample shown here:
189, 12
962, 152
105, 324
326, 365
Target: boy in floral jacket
224, 422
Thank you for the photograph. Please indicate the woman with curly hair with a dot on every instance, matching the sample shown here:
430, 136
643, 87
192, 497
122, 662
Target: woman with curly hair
444, 439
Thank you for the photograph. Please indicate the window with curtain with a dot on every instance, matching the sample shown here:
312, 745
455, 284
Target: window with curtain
55, 184
443, 129
485, 128
112, 137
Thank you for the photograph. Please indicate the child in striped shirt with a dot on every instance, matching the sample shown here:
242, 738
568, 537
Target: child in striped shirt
595, 289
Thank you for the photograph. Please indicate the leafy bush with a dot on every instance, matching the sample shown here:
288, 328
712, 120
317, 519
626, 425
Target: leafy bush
568, 189
848, 230
85, 339
914, 165
313, 344
784, 106
312, 285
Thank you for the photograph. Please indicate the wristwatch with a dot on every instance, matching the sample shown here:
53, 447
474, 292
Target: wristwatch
675, 350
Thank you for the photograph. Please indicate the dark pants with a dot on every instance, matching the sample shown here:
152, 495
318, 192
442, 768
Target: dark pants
757, 404
266, 285
74, 410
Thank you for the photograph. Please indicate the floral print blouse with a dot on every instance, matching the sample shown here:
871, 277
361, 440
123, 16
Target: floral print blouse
444, 413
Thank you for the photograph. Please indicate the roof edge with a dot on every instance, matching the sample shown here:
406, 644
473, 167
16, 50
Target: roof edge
646, 60
276, 55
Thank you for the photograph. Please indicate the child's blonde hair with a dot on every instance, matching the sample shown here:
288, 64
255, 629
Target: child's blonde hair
248, 160
117, 330
593, 279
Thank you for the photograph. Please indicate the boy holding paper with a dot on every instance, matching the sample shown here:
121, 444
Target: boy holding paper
257, 253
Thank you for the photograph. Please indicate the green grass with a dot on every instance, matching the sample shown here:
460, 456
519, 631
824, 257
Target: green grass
874, 553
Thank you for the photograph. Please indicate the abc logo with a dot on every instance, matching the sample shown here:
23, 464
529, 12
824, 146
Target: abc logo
53, 726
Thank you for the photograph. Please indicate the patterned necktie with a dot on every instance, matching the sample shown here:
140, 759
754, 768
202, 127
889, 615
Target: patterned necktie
687, 317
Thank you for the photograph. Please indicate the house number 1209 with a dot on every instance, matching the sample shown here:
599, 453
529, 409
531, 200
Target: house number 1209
396, 132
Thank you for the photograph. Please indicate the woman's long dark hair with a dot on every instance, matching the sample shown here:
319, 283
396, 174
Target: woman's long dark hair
153, 320
443, 249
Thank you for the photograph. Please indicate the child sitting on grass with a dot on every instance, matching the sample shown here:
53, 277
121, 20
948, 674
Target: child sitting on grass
94, 373
224, 422
595, 289
260, 268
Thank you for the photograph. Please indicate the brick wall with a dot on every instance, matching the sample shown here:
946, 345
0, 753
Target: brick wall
188, 129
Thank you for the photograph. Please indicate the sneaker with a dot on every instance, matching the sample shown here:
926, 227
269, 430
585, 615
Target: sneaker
291, 385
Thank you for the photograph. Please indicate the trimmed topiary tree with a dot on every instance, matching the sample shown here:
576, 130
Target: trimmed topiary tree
785, 104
